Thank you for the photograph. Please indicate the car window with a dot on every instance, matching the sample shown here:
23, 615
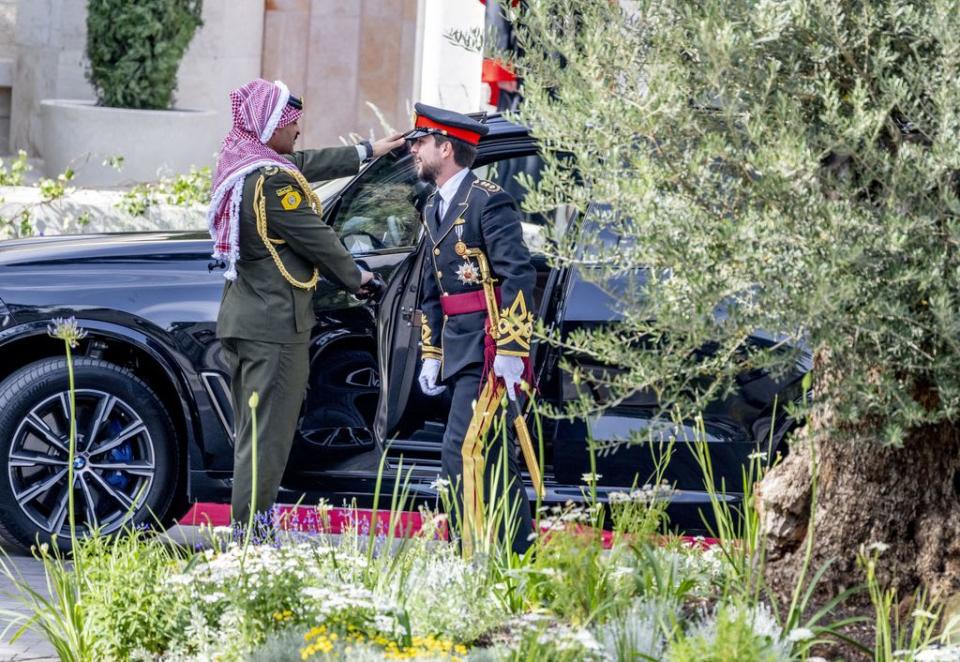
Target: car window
326, 190
378, 212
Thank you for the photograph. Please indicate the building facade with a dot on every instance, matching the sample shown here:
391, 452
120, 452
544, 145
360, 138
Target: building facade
359, 64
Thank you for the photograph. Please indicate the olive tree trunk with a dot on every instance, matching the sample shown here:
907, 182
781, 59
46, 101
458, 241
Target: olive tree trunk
907, 498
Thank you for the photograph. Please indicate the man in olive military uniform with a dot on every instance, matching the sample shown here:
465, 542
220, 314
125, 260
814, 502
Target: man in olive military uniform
470, 225
265, 222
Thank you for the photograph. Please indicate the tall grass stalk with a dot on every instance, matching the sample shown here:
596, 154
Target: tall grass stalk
253, 402
736, 528
376, 506
73, 448
71, 334
60, 617
399, 498
505, 568
893, 638
741, 540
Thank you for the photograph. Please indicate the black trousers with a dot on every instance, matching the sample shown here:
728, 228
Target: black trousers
484, 473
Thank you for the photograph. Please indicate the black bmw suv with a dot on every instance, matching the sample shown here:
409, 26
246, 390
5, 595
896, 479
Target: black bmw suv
153, 413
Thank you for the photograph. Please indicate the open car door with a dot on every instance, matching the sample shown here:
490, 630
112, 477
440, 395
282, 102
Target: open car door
398, 333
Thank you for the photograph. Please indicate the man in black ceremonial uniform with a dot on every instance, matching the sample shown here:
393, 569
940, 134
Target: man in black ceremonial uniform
469, 223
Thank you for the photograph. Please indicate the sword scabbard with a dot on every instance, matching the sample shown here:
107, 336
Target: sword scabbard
526, 447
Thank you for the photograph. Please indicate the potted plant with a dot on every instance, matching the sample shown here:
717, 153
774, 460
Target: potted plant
134, 51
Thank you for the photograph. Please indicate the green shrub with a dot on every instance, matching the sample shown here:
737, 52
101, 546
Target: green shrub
734, 633
127, 605
135, 49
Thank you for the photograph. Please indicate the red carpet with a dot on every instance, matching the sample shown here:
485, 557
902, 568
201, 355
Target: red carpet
305, 518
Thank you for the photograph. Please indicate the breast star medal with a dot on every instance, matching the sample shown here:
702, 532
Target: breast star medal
468, 273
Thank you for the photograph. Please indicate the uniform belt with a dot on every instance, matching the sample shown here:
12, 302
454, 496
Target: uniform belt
466, 302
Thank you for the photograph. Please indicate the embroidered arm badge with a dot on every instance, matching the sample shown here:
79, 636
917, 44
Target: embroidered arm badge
429, 351
290, 200
515, 327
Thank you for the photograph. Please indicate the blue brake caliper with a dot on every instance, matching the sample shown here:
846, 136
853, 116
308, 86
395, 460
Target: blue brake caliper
122, 453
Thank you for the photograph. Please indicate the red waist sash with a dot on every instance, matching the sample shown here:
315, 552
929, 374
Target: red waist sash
476, 302
467, 302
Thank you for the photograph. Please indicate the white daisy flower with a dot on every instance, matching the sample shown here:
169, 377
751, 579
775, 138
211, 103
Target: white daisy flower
800, 634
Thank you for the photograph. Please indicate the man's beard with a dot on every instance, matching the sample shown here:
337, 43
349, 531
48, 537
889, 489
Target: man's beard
428, 173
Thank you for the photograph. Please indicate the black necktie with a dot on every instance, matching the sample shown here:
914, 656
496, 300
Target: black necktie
436, 212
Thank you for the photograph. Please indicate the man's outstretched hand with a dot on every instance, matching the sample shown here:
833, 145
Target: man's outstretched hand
388, 144
371, 286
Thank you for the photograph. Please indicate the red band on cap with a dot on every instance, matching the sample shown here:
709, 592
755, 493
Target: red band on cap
463, 134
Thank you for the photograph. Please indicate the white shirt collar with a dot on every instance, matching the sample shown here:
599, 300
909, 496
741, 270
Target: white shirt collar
449, 189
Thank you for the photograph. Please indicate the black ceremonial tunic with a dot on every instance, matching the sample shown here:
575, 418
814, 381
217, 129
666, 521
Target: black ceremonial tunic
481, 215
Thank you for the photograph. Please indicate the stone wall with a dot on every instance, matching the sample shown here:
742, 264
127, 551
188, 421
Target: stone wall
341, 57
50, 40
346, 58
8, 54
449, 74
50, 62
224, 54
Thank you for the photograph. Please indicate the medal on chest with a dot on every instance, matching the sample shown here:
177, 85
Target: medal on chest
468, 273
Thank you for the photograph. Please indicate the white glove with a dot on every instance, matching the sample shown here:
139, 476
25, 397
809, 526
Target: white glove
510, 368
428, 377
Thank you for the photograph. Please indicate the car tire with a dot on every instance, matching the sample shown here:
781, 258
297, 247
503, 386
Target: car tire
126, 456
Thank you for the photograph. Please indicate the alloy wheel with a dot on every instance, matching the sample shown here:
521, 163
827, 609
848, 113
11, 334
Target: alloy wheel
114, 462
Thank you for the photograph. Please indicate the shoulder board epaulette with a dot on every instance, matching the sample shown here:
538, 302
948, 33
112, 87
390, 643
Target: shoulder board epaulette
487, 186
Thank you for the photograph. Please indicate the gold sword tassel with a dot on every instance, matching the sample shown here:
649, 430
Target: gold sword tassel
519, 422
473, 465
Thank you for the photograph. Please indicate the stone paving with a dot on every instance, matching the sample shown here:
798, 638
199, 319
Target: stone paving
31, 646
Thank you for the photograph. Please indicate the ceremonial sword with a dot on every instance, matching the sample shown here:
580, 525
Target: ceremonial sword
519, 422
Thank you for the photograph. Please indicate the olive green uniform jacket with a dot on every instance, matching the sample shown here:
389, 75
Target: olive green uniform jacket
260, 304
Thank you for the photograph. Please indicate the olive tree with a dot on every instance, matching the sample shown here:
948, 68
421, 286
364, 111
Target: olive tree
785, 165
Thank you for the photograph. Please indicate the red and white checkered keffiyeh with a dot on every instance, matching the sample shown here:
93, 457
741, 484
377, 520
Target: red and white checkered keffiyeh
259, 108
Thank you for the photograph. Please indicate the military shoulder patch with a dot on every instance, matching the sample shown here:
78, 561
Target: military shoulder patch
283, 191
487, 186
290, 200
